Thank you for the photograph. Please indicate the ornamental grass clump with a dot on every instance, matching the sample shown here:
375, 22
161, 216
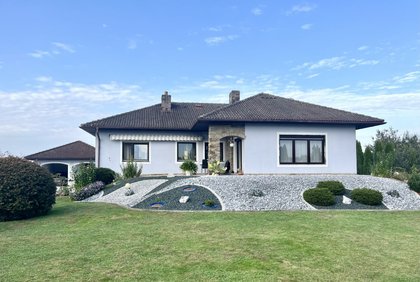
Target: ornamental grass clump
319, 197
367, 196
26, 189
87, 191
335, 187
131, 169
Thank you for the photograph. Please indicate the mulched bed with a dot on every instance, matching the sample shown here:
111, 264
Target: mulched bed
169, 200
353, 206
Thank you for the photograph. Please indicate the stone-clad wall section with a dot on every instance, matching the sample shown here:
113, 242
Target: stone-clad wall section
217, 132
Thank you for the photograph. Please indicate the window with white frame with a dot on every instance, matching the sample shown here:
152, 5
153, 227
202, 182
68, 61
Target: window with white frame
138, 152
186, 151
301, 149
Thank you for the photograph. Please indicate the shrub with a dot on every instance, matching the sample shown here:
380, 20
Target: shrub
84, 174
215, 168
209, 203
367, 196
26, 189
87, 191
335, 187
106, 175
189, 165
131, 169
319, 197
414, 181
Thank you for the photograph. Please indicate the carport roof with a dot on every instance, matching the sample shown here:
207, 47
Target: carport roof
77, 150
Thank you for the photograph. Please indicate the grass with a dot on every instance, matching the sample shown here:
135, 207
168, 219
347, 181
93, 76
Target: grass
100, 242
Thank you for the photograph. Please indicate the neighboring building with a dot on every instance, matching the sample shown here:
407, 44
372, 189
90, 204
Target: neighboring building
62, 159
261, 134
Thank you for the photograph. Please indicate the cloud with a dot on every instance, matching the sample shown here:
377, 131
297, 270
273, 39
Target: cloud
306, 26
302, 8
64, 47
56, 49
312, 75
362, 48
216, 40
408, 77
257, 11
38, 54
43, 79
336, 63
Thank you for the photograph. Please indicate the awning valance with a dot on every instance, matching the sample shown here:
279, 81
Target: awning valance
154, 137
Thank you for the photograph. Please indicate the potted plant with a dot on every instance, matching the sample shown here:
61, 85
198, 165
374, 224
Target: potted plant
215, 168
189, 167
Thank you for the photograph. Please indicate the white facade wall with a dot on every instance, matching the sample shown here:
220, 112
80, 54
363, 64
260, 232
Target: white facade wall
260, 149
162, 154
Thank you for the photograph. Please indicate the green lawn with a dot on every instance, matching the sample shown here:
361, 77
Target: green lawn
90, 241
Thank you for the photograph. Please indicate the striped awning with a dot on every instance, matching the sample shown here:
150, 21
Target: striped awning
154, 137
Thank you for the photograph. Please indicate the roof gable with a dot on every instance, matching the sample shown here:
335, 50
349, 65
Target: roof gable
77, 150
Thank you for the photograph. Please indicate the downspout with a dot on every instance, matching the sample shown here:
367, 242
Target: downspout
98, 146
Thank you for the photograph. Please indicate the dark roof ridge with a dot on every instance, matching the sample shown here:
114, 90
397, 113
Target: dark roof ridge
233, 104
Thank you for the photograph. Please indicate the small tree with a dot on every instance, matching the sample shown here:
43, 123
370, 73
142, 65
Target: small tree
359, 154
367, 161
84, 174
131, 169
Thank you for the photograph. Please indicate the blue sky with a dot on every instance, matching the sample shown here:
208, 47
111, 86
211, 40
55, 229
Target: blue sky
63, 63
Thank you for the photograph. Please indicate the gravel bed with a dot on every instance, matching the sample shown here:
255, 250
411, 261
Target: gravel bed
171, 199
140, 188
283, 192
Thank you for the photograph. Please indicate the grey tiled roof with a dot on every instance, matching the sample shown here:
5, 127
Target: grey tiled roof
259, 108
73, 151
183, 116
269, 108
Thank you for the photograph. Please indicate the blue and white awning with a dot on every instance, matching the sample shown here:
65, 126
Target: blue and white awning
155, 137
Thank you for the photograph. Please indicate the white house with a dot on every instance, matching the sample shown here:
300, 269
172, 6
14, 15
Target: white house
261, 134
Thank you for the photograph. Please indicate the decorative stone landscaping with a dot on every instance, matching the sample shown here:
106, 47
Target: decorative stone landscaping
257, 192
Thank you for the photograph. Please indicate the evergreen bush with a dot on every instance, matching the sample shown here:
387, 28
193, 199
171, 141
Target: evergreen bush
414, 180
131, 169
319, 197
106, 175
26, 189
84, 174
335, 187
367, 196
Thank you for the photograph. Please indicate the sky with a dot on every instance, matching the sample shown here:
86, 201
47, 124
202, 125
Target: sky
64, 63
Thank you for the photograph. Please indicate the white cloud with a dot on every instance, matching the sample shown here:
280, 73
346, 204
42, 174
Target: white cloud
336, 63
306, 26
38, 54
64, 47
52, 106
302, 8
56, 49
408, 77
216, 40
257, 11
362, 48
312, 75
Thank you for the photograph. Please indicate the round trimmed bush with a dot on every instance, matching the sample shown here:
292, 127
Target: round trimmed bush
26, 189
105, 175
414, 182
335, 187
319, 197
367, 196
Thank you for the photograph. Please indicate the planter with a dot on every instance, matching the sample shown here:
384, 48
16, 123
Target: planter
188, 173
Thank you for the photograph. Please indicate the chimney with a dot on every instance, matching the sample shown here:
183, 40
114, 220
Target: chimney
234, 96
166, 102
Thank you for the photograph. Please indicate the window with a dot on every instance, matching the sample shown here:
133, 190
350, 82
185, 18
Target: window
206, 151
301, 149
136, 151
221, 152
186, 151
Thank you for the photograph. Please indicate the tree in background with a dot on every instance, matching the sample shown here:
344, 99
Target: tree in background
367, 161
360, 157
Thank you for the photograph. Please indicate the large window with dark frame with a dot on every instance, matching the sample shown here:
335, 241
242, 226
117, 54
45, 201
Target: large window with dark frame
302, 149
186, 151
138, 152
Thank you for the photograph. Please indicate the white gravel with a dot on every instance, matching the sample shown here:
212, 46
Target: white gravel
140, 188
283, 192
